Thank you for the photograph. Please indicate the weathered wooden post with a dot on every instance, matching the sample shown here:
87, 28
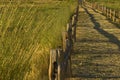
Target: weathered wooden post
74, 22
98, 7
113, 16
64, 40
91, 5
69, 31
53, 65
118, 17
69, 71
77, 12
107, 13
86, 4
66, 44
60, 61
75, 19
95, 6
110, 13
104, 10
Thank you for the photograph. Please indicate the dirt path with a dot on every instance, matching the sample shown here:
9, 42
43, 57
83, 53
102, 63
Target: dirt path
97, 49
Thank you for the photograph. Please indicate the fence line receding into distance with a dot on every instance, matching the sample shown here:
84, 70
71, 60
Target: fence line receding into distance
60, 58
111, 14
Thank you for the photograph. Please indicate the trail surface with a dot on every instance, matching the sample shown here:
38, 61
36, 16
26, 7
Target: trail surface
96, 53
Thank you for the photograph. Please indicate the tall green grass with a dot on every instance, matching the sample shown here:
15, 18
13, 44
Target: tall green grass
27, 33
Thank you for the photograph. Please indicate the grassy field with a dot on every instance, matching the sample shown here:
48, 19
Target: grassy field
27, 32
114, 4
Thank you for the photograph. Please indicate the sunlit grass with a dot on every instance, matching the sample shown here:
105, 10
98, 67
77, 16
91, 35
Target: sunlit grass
27, 33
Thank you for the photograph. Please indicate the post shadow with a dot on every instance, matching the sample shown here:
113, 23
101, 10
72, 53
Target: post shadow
97, 26
116, 24
112, 39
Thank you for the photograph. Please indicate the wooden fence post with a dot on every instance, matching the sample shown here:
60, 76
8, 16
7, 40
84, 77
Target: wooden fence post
113, 16
98, 7
60, 61
104, 10
107, 13
95, 5
69, 31
53, 65
64, 40
74, 27
69, 72
73, 19
110, 13
118, 21
118, 17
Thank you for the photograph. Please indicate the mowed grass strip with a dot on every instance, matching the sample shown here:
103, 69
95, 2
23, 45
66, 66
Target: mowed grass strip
27, 33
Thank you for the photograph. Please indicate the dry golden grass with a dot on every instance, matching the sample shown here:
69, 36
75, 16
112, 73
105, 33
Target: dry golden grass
27, 33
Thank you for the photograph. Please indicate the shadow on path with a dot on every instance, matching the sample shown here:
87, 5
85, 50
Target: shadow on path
96, 65
116, 25
97, 26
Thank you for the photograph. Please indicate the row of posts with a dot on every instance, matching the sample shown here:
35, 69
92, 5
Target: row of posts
112, 14
60, 58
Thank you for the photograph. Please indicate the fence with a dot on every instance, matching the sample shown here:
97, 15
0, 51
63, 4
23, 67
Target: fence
112, 14
60, 58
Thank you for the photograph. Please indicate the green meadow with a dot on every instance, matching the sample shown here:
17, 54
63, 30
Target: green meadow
28, 30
